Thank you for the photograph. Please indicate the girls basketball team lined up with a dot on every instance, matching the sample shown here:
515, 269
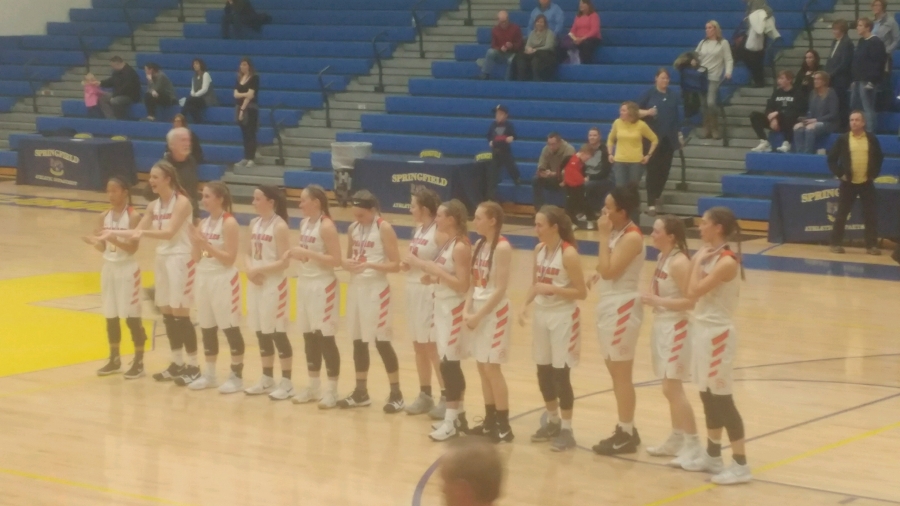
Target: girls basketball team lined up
456, 307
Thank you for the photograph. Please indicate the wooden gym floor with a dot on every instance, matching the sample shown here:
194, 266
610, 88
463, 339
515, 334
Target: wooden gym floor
817, 385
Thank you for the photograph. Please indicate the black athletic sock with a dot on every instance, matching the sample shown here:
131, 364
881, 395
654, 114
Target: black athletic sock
426, 389
113, 352
238, 370
138, 355
503, 419
362, 386
740, 459
713, 449
286, 374
490, 414
395, 390
269, 371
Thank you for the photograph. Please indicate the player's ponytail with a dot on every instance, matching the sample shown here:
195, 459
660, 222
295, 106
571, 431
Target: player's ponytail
316, 192
221, 191
275, 194
495, 212
558, 217
731, 229
674, 226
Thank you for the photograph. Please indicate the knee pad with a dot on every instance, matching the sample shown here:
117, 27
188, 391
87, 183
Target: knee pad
113, 331
454, 380
283, 345
176, 341
188, 334
563, 383
361, 355
235, 341
313, 348
388, 356
546, 382
266, 344
709, 410
731, 418
210, 341
331, 355
138, 334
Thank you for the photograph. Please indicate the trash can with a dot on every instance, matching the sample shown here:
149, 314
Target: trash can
343, 154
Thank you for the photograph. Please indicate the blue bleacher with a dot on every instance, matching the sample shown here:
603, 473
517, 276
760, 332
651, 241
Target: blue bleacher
313, 33
357, 5
743, 208
9, 159
526, 109
342, 18
106, 15
25, 73
212, 115
286, 82
272, 48
667, 6
263, 64
549, 91
632, 37
304, 178
215, 134
465, 127
109, 29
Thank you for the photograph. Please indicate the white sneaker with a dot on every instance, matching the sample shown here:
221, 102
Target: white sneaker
265, 384
439, 409
445, 431
329, 400
249, 164
763, 147
785, 147
284, 391
242, 163
733, 475
232, 385
704, 463
308, 394
203, 382
668, 449
423, 404
691, 450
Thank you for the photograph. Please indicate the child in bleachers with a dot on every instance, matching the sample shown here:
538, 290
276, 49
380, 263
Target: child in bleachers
500, 136
92, 94
573, 180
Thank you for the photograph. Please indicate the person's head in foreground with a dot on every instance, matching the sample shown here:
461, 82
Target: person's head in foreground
472, 473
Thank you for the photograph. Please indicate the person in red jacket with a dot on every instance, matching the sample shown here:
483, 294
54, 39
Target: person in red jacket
573, 180
506, 43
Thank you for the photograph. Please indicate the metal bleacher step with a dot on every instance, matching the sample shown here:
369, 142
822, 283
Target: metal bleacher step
337, 105
261, 170
310, 132
254, 179
293, 151
289, 161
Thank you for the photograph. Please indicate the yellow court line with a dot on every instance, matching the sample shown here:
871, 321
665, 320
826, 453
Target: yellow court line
781, 463
88, 486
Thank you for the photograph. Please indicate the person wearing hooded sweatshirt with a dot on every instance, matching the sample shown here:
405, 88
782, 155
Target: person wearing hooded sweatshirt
782, 110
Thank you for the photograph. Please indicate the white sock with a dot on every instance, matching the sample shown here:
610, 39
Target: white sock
553, 416
451, 415
211, 369
192, 359
178, 357
678, 432
332, 385
315, 383
567, 424
692, 438
628, 428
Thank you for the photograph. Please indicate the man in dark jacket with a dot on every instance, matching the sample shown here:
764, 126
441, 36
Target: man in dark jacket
855, 159
506, 43
500, 136
782, 110
839, 66
126, 89
867, 71
179, 154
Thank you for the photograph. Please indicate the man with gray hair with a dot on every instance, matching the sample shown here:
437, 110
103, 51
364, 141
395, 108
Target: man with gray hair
178, 142
506, 43
472, 472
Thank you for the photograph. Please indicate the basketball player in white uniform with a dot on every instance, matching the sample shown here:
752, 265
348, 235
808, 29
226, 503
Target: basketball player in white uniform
420, 304
620, 312
120, 279
167, 220
715, 285
216, 241
669, 343
318, 296
450, 273
557, 284
267, 293
372, 253
488, 317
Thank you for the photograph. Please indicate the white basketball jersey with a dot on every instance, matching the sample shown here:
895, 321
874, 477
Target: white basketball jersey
627, 283
180, 243
482, 273
120, 222
718, 305
445, 261
367, 247
422, 246
664, 285
262, 241
550, 269
212, 231
311, 239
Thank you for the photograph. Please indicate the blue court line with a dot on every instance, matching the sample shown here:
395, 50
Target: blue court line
423, 481
755, 261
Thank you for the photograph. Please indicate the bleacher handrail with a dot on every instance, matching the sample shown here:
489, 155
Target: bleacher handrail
469, 21
325, 100
418, 26
856, 15
276, 127
85, 50
379, 88
808, 23
181, 18
773, 58
34, 91
129, 22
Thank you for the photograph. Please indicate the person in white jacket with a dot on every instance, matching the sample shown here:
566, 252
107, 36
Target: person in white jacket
714, 54
761, 25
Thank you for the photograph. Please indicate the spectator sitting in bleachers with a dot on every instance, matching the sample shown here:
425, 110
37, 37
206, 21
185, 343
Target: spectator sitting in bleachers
821, 117
548, 177
626, 147
202, 93
867, 72
782, 110
761, 24
838, 67
500, 136
538, 60
126, 89
574, 180
803, 81
92, 94
246, 109
506, 43
553, 17
714, 54
584, 37
196, 149
597, 171
661, 109
238, 15
160, 91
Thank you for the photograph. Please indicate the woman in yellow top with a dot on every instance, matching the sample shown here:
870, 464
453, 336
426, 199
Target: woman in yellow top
626, 147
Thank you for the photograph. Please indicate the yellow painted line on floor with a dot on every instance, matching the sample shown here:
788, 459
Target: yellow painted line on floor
781, 463
91, 487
